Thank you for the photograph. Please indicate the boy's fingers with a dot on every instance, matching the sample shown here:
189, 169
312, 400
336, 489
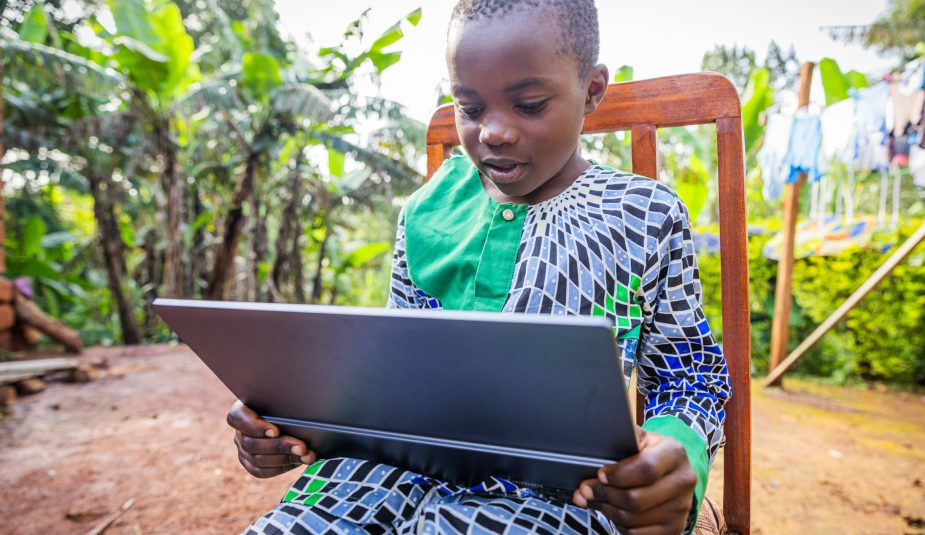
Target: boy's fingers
274, 461
672, 489
243, 419
658, 458
269, 446
262, 473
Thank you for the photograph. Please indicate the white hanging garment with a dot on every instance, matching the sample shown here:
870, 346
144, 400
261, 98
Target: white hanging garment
839, 132
772, 156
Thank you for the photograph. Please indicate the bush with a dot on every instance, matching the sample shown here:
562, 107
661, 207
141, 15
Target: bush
881, 339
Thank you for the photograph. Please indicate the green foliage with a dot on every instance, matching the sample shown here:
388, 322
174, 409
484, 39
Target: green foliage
835, 84
260, 75
898, 30
34, 28
758, 97
153, 48
882, 339
623, 74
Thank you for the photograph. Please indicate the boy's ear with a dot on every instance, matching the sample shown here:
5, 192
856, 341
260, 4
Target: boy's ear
597, 87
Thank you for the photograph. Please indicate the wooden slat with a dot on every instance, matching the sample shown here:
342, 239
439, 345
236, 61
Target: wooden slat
882, 272
670, 101
733, 237
645, 154
436, 154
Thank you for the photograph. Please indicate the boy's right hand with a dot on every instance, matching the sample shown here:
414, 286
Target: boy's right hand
261, 450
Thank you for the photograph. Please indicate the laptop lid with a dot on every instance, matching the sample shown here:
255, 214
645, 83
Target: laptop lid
419, 389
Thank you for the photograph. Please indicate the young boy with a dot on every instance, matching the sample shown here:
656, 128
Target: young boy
524, 224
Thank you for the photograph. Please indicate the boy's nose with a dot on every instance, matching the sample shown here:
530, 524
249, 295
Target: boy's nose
496, 133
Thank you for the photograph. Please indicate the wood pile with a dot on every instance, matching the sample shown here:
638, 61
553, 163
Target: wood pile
27, 377
22, 323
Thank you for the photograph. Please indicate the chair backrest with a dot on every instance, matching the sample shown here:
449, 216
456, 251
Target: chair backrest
642, 107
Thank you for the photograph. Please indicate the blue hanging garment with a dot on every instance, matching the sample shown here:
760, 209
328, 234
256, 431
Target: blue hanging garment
803, 151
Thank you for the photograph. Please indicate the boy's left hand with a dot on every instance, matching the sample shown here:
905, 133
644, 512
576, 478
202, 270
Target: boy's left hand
649, 493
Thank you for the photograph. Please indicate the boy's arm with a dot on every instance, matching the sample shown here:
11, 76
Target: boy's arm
681, 368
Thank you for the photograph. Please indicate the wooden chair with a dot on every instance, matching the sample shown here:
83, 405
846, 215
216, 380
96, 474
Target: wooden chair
642, 107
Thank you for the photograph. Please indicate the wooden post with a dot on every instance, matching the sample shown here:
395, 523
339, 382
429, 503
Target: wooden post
2, 230
780, 326
882, 272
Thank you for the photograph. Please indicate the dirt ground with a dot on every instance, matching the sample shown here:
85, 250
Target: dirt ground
825, 459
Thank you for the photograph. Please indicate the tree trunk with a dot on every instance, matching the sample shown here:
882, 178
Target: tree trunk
113, 251
288, 250
197, 250
173, 190
259, 246
234, 222
322, 251
148, 277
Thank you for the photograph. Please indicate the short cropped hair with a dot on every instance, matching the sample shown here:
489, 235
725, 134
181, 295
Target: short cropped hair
580, 33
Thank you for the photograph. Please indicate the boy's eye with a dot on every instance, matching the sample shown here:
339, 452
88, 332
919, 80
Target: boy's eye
531, 107
468, 111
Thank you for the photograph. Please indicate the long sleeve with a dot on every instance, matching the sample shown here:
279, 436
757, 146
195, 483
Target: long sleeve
682, 371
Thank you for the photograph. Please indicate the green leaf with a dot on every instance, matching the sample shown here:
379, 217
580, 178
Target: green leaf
32, 236
623, 74
353, 180
384, 60
153, 46
127, 233
833, 81
414, 17
856, 79
758, 96
692, 186
336, 161
367, 253
390, 36
34, 28
260, 75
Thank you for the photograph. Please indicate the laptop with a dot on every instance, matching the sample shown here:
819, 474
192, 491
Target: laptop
458, 396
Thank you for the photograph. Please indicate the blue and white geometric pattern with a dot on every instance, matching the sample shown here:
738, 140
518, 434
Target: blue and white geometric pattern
618, 245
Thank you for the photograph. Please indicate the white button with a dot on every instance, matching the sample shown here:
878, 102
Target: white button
508, 215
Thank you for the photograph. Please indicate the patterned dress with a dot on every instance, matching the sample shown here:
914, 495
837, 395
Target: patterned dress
612, 244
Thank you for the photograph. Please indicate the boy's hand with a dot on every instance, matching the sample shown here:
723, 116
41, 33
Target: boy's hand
261, 450
649, 493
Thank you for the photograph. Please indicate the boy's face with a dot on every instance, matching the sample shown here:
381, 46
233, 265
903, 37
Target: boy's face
520, 103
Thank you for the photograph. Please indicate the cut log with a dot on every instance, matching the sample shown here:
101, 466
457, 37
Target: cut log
15, 371
30, 386
6, 290
7, 396
28, 312
6, 340
84, 374
7, 317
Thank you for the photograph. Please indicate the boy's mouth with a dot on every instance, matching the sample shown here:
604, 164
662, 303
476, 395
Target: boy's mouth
503, 170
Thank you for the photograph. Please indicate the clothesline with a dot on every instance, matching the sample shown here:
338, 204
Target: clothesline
879, 128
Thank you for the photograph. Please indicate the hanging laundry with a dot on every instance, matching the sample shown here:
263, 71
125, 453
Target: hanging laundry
838, 131
870, 123
772, 155
907, 107
917, 165
804, 148
899, 146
